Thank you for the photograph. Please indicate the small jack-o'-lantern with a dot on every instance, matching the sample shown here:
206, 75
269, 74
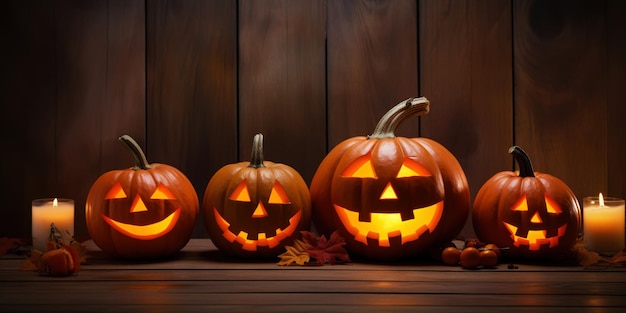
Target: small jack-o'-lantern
146, 211
391, 197
534, 214
253, 209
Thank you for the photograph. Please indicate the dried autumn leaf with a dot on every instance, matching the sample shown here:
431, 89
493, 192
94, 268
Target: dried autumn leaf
82, 251
587, 258
32, 261
326, 251
293, 255
8, 244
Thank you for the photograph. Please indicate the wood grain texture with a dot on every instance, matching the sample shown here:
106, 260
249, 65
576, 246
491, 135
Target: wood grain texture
27, 117
192, 109
194, 80
282, 81
616, 93
465, 71
372, 65
560, 53
199, 279
72, 101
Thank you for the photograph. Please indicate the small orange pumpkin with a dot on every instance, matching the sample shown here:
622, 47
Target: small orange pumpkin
391, 197
535, 215
146, 211
253, 209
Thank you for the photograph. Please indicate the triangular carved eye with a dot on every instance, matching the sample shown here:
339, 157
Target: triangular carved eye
278, 195
241, 192
116, 192
411, 168
163, 193
521, 204
552, 206
360, 168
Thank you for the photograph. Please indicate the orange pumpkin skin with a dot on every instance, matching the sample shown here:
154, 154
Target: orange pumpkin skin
246, 203
534, 214
115, 197
422, 174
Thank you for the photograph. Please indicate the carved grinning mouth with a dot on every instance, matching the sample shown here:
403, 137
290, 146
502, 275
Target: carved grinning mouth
145, 232
262, 240
535, 238
383, 226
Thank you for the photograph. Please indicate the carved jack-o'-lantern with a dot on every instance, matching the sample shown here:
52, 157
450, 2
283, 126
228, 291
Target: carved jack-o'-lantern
252, 209
534, 214
391, 197
147, 211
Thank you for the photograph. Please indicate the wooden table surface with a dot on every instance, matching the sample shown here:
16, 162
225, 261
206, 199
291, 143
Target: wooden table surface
201, 279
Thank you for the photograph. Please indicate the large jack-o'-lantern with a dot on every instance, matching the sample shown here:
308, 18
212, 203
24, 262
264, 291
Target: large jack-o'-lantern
391, 197
146, 211
253, 209
534, 214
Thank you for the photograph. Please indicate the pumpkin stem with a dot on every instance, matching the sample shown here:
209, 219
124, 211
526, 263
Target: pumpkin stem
523, 161
256, 160
140, 158
388, 124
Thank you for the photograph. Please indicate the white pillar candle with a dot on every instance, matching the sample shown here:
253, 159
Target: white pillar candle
48, 211
603, 220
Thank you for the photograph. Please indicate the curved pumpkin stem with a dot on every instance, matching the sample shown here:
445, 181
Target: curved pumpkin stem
256, 160
141, 163
523, 161
388, 124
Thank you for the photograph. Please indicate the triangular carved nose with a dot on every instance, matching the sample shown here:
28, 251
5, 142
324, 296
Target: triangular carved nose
138, 205
259, 211
388, 193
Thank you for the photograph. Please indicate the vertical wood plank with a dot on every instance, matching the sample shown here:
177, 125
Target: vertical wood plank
101, 95
465, 61
282, 81
191, 114
372, 65
28, 101
72, 50
560, 53
616, 93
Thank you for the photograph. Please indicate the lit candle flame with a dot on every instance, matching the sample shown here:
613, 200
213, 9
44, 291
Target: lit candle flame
601, 198
55, 203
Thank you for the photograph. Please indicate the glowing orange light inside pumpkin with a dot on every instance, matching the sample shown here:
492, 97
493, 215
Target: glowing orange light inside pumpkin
362, 168
552, 206
259, 211
163, 193
278, 195
262, 239
383, 226
143, 232
535, 238
241, 193
138, 205
388, 193
116, 192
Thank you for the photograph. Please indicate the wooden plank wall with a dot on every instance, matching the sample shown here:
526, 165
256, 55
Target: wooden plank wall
193, 80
